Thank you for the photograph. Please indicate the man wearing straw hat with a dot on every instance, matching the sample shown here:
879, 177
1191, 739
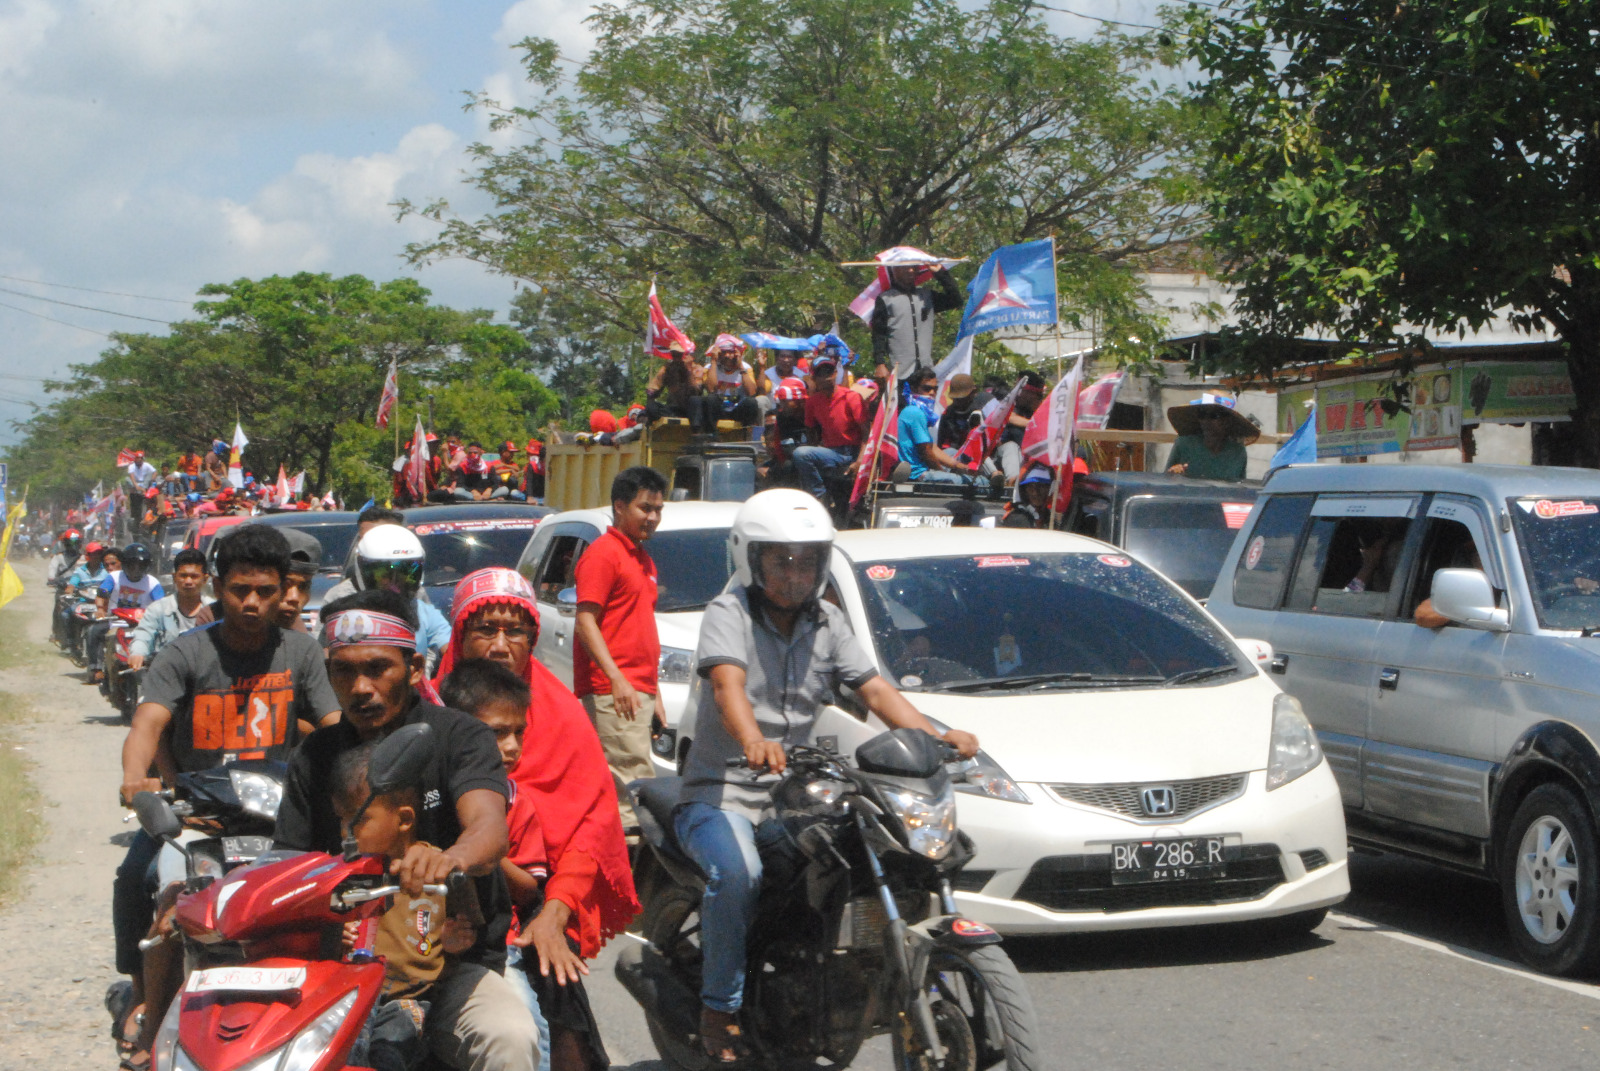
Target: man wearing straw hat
1212, 435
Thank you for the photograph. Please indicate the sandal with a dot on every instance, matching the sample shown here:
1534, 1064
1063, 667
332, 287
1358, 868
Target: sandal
720, 1038
132, 1061
120, 1004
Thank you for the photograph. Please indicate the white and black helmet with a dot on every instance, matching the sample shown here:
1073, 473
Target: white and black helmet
389, 556
783, 516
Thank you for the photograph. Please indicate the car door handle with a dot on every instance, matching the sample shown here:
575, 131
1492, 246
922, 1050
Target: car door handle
561, 639
1280, 664
1389, 678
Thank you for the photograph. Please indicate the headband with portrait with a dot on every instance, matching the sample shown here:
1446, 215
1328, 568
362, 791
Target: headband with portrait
352, 627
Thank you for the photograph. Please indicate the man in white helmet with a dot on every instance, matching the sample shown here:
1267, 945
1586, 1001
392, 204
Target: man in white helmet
774, 653
391, 557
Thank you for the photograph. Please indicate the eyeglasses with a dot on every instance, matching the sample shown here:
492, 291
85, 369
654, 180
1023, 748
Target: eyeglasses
513, 633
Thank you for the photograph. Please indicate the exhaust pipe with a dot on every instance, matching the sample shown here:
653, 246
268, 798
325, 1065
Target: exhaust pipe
648, 978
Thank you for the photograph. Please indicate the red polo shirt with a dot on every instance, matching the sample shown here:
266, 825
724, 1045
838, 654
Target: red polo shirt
617, 575
838, 414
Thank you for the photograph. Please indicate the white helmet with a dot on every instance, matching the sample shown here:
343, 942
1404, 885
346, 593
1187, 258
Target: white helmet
781, 515
389, 556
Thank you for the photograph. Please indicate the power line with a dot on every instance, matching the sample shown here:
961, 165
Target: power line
52, 319
92, 290
87, 308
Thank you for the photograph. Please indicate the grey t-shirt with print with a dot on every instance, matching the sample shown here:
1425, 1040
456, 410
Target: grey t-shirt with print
788, 681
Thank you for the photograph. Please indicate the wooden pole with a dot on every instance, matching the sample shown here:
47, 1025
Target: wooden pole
940, 262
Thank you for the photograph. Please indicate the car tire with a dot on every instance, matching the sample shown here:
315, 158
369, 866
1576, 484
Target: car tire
1550, 882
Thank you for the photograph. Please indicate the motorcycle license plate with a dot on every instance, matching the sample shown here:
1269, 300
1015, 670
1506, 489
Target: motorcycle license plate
1176, 859
248, 980
244, 849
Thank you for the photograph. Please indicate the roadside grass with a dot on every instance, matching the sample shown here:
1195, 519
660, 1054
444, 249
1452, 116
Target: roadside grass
21, 817
16, 649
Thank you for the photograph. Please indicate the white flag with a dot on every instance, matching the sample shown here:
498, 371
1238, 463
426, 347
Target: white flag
235, 456
1063, 410
958, 363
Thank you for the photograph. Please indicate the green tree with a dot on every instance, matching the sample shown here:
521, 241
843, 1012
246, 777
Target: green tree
740, 149
1387, 170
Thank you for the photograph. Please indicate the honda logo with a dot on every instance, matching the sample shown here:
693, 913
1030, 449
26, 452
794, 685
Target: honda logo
1159, 801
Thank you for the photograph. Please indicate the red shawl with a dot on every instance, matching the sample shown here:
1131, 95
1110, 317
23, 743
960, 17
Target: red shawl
563, 769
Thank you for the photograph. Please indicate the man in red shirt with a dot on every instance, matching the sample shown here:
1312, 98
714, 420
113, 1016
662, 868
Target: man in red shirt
840, 416
614, 661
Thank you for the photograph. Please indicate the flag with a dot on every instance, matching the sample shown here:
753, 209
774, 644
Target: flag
1063, 407
905, 255
99, 491
417, 464
390, 396
660, 332
882, 448
982, 439
235, 456
1301, 448
298, 484
1036, 441
1016, 285
328, 501
959, 362
282, 490
1095, 402
125, 458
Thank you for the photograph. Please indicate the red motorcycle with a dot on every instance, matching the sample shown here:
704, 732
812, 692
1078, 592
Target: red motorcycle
122, 680
266, 988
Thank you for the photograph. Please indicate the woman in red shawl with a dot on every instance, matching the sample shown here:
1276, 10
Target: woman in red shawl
589, 895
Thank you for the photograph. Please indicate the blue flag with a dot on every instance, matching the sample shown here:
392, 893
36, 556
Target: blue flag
1016, 285
1302, 445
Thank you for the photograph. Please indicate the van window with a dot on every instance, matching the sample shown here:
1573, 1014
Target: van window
1258, 580
1447, 545
560, 566
1087, 514
1348, 565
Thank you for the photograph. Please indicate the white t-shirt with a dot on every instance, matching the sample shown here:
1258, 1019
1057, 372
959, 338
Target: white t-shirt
730, 383
125, 594
142, 473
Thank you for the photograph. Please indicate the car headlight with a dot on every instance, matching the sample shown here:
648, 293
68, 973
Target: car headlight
675, 667
983, 776
1295, 750
258, 794
310, 1044
929, 821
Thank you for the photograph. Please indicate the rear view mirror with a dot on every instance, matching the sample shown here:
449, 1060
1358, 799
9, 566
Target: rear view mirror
400, 760
156, 816
1259, 651
567, 600
1466, 598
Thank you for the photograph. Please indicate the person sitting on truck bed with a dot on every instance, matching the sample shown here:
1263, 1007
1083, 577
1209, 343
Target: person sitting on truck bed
674, 385
730, 387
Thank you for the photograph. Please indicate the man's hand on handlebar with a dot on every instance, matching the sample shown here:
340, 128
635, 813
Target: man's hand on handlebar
762, 754
965, 743
138, 785
423, 864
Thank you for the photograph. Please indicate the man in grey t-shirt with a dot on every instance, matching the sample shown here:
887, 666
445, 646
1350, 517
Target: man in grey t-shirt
773, 655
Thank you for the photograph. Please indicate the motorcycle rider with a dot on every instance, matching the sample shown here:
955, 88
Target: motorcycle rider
237, 688
129, 588
389, 557
770, 620
305, 554
56, 574
171, 615
82, 583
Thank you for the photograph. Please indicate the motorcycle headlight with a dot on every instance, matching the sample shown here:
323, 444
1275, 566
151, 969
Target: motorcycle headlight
258, 794
675, 667
1295, 750
308, 1046
929, 821
983, 776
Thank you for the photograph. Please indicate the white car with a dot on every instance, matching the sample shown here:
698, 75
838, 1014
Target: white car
690, 550
1138, 769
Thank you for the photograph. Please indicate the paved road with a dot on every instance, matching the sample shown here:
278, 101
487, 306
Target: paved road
1412, 973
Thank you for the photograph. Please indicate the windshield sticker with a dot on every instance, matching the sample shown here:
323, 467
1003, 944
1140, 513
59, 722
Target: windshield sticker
1115, 559
1252, 557
1234, 514
989, 561
1007, 655
1577, 507
880, 572
911, 680
446, 527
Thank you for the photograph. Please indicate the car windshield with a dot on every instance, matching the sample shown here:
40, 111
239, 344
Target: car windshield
454, 550
335, 539
1185, 538
691, 567
1560, 541
1009, 623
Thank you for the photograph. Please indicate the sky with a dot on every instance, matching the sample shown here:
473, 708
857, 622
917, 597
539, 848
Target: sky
153, 146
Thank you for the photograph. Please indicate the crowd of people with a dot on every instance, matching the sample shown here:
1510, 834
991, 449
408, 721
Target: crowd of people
457, 472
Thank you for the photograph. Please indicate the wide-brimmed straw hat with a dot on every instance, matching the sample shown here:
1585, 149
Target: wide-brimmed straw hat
1186, 418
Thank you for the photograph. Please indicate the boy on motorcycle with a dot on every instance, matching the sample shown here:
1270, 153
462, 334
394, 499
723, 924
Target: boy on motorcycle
129, 588
774, 653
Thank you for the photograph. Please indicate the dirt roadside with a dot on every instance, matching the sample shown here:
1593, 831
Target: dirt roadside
57, 959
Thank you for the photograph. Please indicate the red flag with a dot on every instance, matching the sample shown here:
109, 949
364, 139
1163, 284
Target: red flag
660, 333
125, 458
882, 447
417, 464
983, 438
390, 396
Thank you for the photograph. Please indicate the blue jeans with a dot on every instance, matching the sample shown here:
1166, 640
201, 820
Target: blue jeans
728, 848
519, 981
944, 476
816, 462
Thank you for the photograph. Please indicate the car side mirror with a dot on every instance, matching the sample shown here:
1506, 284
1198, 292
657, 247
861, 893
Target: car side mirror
156, 816
1259, 651
567, 601
400, 760
1466, 598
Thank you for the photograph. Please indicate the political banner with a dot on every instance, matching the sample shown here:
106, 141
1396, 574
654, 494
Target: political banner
1015, 286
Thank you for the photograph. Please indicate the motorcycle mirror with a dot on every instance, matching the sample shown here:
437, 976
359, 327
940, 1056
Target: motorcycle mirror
401, 759
901, 753
155, 816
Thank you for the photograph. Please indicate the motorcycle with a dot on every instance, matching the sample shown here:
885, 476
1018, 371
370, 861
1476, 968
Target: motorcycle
227, 814
121, 679
856, 931
80, 615
264, 987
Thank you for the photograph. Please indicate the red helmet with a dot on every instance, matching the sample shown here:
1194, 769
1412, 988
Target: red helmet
95, 548
72, 533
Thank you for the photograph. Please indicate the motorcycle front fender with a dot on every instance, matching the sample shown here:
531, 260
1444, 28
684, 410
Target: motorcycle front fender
955, 931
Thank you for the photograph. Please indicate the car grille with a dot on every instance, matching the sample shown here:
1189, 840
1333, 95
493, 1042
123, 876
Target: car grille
1083, 883
1189, 797
1315, 859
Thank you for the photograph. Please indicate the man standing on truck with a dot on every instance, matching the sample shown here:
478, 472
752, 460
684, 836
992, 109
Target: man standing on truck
614, 661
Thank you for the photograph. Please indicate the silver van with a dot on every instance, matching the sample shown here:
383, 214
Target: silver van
1438, 624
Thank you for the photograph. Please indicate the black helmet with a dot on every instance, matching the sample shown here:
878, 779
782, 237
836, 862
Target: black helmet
136, 552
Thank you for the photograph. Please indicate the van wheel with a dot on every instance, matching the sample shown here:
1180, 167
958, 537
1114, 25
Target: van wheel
1550, 881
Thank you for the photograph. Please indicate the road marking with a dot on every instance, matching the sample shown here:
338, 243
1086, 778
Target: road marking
1481, 958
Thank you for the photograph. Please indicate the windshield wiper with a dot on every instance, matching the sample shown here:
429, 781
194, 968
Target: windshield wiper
1204, 673
1037, 680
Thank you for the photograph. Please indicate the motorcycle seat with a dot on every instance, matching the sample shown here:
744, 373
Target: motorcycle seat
654, 799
